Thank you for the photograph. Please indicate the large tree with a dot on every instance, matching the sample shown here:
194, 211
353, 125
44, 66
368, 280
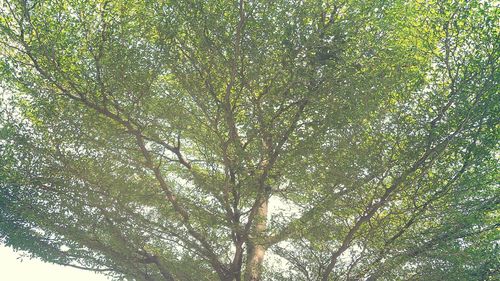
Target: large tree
252, 140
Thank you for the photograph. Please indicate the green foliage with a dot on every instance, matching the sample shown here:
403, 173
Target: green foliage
271, 140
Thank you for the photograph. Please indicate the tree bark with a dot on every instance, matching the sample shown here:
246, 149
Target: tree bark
256, 249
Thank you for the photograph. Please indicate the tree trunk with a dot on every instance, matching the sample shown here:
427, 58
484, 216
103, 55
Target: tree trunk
255, 249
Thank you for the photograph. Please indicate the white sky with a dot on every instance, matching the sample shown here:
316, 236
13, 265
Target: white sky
12, 269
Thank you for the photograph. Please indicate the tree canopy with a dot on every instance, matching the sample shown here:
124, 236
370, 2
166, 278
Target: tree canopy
252, 140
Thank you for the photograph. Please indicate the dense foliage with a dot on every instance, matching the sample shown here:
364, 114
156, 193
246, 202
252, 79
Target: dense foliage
252, 140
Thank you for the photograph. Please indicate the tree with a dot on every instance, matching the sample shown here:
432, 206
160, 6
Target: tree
272, 140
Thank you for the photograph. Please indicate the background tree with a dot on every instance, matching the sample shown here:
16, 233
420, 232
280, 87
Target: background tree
294, 140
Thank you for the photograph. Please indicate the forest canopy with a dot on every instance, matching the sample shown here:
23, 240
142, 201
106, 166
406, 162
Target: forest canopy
252, 140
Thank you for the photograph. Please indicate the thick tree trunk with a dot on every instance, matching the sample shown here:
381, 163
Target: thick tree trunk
254, 263
255, 249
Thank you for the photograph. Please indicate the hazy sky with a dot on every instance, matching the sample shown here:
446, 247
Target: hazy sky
12, 269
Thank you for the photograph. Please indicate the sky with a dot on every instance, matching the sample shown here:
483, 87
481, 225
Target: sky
13, 269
